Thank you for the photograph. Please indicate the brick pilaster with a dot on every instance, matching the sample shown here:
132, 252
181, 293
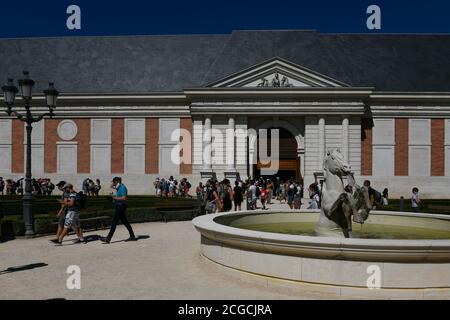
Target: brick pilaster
401, 146
17, 155
151, 145
117, 145
366, 147
437, 147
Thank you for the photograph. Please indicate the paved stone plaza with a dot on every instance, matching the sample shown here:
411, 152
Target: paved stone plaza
167, 265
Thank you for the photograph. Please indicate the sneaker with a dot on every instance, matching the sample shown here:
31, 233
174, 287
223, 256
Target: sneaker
105, 240
79, 241
58, 243
54, 241
131, 239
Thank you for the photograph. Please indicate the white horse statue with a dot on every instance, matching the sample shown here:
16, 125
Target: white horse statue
338, 206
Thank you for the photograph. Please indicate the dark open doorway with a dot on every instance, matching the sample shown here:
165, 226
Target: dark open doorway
288, 163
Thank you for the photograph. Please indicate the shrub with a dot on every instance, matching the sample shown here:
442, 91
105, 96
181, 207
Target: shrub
12, 205
12, 225
437, 206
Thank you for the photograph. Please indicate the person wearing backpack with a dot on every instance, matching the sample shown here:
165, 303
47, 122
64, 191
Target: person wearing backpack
291, 193
372, 194
72, 219
252, 195
212, 197
120, 202
238, 197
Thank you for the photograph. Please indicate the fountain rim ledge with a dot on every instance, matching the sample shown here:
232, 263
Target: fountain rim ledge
376, 250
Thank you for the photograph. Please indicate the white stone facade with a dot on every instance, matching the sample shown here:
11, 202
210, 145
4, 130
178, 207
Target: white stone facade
318, 112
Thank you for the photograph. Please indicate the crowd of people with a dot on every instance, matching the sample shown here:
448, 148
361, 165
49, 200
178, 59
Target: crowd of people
172, 187
221, 196
41, 186
44, 186
90, 187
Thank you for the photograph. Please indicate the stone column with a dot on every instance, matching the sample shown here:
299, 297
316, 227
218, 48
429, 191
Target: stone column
321, 142
252, 141
207, 147
230, 149
250, 161
345, 139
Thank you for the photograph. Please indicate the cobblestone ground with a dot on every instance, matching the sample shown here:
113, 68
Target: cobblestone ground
167, 265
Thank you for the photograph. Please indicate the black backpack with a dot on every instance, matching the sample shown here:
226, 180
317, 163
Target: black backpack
81, 200
378, 197
210, 194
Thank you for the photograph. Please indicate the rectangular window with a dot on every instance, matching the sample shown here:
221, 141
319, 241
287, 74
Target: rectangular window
383, 161
101, 146
5, 159
419, 161
383, 132
5, 145
383, 147
134, 147
169, 141
419, 147
101, 159
67, 157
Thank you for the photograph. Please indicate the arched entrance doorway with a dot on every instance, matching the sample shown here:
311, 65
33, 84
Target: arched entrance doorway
288, 163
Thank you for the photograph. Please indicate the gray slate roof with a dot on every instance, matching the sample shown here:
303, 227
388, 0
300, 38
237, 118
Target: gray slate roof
171, 63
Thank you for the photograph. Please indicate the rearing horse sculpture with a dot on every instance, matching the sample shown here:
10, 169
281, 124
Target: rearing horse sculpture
338, 206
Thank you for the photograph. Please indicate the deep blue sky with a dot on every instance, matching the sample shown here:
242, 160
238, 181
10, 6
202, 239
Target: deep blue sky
28, 18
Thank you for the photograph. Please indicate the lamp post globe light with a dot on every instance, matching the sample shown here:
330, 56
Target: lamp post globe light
26, 91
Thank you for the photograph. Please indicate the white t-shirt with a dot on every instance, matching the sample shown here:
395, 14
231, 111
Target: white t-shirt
315, 202
414, 198
252, 190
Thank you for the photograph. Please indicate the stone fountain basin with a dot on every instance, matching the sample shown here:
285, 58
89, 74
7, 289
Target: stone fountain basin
324, 260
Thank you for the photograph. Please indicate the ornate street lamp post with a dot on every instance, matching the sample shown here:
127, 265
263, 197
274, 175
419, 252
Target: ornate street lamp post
26, 87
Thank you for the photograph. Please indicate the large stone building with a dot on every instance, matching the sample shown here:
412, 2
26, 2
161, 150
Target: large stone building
382, 99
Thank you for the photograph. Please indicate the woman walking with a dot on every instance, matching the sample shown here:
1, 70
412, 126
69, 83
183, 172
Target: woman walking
227, 196
237, 196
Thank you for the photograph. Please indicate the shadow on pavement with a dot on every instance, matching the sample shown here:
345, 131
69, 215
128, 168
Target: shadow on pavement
92, 237
23, 268
142, 237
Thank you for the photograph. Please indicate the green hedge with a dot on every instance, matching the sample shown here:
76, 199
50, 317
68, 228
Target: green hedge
12, 225
12, 205
438, 206
140, 209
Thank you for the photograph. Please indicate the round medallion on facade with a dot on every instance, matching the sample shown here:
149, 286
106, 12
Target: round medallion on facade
67, 130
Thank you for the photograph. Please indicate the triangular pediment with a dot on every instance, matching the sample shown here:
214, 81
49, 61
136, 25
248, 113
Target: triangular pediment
277, 72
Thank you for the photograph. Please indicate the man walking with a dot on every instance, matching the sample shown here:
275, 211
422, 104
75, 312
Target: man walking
120, 202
